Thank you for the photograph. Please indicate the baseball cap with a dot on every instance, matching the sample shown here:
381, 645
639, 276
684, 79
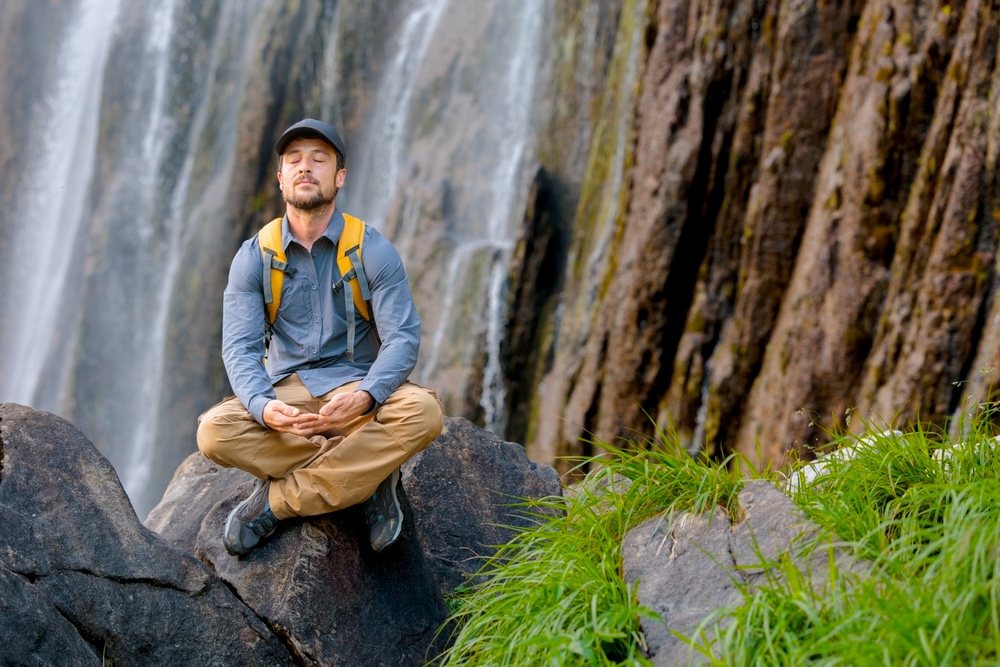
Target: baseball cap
311, 128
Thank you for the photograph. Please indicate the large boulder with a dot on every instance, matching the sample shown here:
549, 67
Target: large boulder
688, 566
318, 583
82, 581
468, 492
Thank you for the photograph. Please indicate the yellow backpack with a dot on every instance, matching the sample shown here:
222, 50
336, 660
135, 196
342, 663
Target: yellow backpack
357, 295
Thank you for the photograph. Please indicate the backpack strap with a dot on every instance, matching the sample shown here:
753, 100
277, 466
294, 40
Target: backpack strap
274, 263
357, 293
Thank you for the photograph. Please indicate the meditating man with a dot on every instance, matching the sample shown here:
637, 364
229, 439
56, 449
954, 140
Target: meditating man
327, 420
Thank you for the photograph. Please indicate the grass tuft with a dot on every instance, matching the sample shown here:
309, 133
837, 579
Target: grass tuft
555, 595
922, 510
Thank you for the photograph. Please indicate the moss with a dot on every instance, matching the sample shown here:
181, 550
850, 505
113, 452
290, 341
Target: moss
697, 323
833, 201
786, 141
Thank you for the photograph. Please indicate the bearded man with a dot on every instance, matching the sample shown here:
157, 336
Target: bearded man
327, 421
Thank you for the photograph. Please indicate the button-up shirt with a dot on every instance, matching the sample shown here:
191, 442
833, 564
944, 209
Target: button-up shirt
309, 334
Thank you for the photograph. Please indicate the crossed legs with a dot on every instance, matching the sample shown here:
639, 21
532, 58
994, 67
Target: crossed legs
328, 471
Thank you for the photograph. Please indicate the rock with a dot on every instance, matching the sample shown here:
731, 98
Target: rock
320, 586
689, 566
318, 583
91, 576
466, 490
673, 559
82, 581
32, 627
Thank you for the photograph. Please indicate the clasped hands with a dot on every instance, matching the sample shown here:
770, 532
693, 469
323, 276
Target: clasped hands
340, 411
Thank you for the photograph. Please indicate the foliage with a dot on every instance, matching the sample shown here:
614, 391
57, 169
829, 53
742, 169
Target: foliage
555, 595
924, 511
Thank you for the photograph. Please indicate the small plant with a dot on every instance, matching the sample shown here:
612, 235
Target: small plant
555, 595
923, 511
926, 513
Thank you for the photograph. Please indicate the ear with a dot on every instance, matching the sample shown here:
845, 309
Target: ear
279, 181
341, 177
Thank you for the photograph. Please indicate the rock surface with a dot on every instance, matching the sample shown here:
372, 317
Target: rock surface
98, 587
83, 582
689, 566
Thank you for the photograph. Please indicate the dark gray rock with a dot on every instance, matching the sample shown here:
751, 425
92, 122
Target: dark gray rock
689, 566
32, 632
321, 587
468, 490
70, 538
197, 486
318, 583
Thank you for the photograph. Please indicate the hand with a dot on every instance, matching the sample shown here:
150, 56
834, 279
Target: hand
345, 408
280, 416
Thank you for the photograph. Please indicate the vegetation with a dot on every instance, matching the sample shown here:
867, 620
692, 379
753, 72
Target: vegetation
924, 510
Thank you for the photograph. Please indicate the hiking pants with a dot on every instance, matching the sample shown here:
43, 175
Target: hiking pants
328, 471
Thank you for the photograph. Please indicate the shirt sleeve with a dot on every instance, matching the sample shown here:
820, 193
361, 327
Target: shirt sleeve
395, 317
243, 325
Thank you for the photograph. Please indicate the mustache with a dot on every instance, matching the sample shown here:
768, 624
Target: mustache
305, 179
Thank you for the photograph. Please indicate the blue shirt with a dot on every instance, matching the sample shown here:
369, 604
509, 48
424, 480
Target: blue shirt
309, 335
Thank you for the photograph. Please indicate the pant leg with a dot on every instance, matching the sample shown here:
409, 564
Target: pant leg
230, 436
348, 473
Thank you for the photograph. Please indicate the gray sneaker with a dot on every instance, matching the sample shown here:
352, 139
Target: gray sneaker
251, 522
382, 512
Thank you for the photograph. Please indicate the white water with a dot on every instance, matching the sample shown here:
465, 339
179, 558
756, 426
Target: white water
384, 150
139, 233
174, 232
50, 220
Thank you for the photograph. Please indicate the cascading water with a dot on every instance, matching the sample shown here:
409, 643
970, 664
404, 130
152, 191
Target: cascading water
152, 148
51, 219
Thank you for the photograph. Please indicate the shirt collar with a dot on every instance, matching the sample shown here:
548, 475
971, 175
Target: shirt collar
333, 230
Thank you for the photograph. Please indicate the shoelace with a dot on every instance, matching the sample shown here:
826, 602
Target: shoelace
263, 524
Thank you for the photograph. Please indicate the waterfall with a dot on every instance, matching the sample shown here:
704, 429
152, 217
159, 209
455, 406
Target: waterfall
152, 156
51, 221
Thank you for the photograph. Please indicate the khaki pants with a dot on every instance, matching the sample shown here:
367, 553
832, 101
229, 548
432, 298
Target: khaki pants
329, 471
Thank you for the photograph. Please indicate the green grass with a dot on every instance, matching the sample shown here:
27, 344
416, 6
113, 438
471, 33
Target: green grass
555, 595
922, 510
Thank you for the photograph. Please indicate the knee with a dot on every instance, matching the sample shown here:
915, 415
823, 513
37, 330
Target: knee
433, 414
214, 432
208, 436
421, 410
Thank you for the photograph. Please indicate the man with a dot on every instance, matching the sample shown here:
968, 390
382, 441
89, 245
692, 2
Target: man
325, 424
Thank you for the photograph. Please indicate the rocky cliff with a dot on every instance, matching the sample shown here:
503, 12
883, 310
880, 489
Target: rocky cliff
750, 221
788, 224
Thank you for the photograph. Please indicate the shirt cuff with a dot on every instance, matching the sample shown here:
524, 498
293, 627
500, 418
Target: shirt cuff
256, 408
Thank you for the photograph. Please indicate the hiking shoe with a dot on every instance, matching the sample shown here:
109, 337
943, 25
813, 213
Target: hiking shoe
382, 512
251, 522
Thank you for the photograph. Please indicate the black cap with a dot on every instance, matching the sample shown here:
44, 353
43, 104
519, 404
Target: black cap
311, 128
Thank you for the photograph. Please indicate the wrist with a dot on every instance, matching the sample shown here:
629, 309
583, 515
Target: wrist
369, 401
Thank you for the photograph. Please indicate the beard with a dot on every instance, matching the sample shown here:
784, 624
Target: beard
310, 202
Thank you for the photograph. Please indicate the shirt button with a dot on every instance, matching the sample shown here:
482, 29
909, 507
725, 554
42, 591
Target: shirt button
314, 287
317, 319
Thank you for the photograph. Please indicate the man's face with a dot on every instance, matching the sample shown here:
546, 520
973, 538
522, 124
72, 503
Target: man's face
309, 178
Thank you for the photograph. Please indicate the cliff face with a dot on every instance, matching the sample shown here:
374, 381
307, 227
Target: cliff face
793, 228
749, 221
